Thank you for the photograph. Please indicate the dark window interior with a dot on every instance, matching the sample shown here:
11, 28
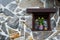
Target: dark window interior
58, 0
59, 11
45, 16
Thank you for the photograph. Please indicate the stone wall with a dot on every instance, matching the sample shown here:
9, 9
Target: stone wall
50, 3
31, 3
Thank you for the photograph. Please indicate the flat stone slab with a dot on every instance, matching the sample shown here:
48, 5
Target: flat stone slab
5, 2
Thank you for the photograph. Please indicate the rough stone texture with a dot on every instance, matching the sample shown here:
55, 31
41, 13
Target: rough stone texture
1, 10
29, 21
18, 10
11, 31
53, 24
59, 22
26, 35
58, 27
5, 2
22, 32
13, 22
41, 35
38, 35
56, 17
25, 4
8, 13
57, 14
7, 38
51, 15
2, 37
56, 36
31, 3
46, 34
4, 28
12, 6
49, 3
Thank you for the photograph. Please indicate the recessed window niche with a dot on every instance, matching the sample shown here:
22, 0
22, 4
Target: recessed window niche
41, 18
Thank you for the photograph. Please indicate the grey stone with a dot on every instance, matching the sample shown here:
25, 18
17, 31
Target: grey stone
13, 22
28, 30
12, 7
26, 35
31, 3
7, 38
18, 10
1, 10
2, 19
38, 35
8, 13
56, 17
5, 2
50, 3
4, 28
58, 36
18, 14
59, 22
51, 15
29, 21
53, 24
22, 31
20, 28
47, 34
50, 39
2, 37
